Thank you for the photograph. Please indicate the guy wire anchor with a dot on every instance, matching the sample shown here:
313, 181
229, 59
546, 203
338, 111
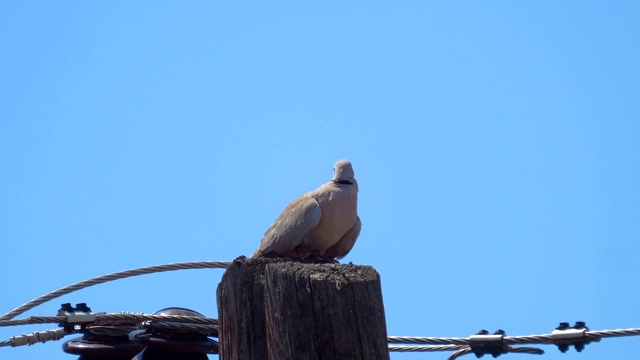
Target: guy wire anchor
564, 336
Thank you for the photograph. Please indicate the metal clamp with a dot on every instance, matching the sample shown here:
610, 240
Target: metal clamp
564, 336
77, 317
484, 343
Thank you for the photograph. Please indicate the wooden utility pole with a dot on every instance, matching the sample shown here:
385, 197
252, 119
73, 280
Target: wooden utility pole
280, 309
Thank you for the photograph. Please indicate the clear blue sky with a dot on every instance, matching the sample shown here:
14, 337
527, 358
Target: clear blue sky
496, 145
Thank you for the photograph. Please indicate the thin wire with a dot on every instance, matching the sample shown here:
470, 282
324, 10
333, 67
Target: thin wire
188, 323
523, 350
526, 339
613, 333
104, 321
458, 353
114, 319
429, 340
36, 337
34, 320
210, 330
428, 348
110, 277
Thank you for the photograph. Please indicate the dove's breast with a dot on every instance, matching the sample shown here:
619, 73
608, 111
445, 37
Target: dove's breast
339, 204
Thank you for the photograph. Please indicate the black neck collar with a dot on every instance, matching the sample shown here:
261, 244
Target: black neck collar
343, 182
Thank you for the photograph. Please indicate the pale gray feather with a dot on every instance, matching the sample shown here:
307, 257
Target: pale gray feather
323, 223
344, 245
291, 227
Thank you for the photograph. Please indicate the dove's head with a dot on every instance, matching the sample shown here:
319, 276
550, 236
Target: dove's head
343, 172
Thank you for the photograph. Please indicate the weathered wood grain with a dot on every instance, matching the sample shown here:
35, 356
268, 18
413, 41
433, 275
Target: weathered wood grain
280, 309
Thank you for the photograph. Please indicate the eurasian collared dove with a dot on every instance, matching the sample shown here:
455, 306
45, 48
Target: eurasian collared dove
323, 223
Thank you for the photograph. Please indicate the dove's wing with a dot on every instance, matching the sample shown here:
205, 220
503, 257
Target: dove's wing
345, 244
290, 228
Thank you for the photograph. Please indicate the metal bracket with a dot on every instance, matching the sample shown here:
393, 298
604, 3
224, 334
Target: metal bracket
564, 336
485, 343
77, 317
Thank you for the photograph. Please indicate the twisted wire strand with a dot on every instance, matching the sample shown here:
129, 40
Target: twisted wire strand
427, 348
529, 339
114, 324
33, 320
116, 319
512, 349
459, 353
110, 277
429, 340
113, 319
209, 330
525, 350
107, 323
210, 326
106, 330
525, 339
613, 333
35, 337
